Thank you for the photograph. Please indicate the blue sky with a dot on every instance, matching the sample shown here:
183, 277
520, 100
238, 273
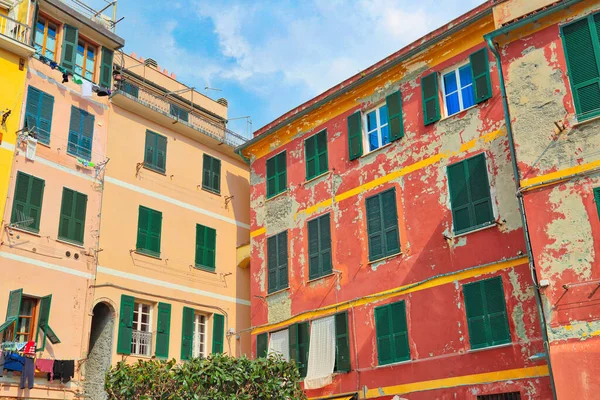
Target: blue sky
268, 56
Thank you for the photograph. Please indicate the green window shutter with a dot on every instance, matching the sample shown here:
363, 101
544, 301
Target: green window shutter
276, 175
319, 247
72, 216
13, 309
32, 111
74, 130
486, 313
395, 120
218, 333
38, 113
143, 223
44, 331
206, 239
155, 153
149, 231
392, 333
316, 155
277, 262
106, 67
262, 345
342, 343
87, 137
582, 50
293, 341
302, 347
431, 100
597, 199
470, 196
480, 70
355, 139
125, 325
163, 330
155, 232
382, 225
69, 49
36, 12
27, 202
272, 264
187, 333
211, 174
161, 153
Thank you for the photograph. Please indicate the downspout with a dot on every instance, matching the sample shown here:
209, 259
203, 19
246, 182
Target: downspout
513, 156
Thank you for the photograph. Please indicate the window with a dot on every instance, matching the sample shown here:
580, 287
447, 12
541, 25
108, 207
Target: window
376, 123
211, 174
262, 345
45, 38
218, 333
206, 243
38, 114
470, 197
319, 247
27, 202
81, 134
155, 154
462, 88
199, 341
277, 262
279, 344
141, 339
299, 345
392, 333
500, 396
85, 60
316, 155
486, 313
149, 231
582, 48
179, 112
342, 343
72, 216
458, 90
382, 225
276, 175
597, 199
21, 316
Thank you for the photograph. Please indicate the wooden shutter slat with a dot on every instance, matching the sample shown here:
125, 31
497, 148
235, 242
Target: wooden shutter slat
262, 345
87, 136
395, 120
303, 344
480, 72
66, 210
475, 311
44, 122
143, 224
272, 264
383, 333
14, 303
431, 100
161, 153
325, 244
187, 333
293, 341
21, 197
218, 333
69, 49
391, 239
163, 330
282, 260
125, 334
342, 342
355, 140
597, 198
313, 249
496, 308
155, 231
106, 67
43, 321
75, 128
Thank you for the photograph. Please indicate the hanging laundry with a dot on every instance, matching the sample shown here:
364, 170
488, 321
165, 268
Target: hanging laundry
29, 349
1, 363
78, 80
63, 370
14, 362
44, 365
20, 346
86, 88
27, 373
9, 346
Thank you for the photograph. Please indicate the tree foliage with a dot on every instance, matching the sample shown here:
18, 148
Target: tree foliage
218, 377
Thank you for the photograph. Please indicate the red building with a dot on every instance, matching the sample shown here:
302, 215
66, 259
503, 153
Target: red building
388, 251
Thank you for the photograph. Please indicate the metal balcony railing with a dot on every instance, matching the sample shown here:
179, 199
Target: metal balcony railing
14, 29
183, 114
141, 343
97, 16
199, 345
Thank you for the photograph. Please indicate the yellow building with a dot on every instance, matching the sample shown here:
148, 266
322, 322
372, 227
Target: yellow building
15, 50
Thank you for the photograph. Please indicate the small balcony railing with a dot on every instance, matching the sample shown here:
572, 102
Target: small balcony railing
191, 118
141, 343
14, 29
199, 345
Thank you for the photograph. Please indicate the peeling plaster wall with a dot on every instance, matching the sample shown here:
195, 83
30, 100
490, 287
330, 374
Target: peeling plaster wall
562, 215
417, 166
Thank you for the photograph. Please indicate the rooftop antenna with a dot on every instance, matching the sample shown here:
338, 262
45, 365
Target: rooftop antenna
248, 119
206, 88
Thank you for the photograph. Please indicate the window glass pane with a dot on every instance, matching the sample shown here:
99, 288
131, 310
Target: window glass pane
450, 85
468, 96
452, 103
383, 116
371, 121
24, 325
465, 75
27, 307
385, 135
373, 140
39, 37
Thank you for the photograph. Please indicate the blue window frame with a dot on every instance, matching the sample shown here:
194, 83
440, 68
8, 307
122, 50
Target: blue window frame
458, 90
377, 130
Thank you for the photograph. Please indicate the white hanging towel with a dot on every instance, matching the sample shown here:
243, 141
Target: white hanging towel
86, 88
280, 343
31, 148
321, 354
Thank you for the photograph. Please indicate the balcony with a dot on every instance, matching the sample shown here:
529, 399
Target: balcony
178, 116
15, 37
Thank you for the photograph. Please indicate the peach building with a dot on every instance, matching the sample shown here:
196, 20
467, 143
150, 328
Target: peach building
175, 216
49, 236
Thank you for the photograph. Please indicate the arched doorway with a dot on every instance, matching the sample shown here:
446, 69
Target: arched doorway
100, 351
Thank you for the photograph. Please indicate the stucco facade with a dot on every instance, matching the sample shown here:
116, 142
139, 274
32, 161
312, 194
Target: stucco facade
435, 264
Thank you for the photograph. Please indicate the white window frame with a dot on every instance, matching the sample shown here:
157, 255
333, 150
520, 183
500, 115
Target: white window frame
198, 333
365, 136
136, 347
455, 69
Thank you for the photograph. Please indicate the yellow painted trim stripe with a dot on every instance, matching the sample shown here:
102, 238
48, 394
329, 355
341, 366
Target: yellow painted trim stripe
477, 379
258, 232
465, 147
402, 290
558, 175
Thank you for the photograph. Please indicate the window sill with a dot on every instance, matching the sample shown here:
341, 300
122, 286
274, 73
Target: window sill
205, 269
77, 156
320, 277
145, 253
476, 229
498, 346
394, 364
23, 230
278, 291
47, 145
286, 191
585, 121
71, 242
385, 146
211, 191
314, 178
458, 113
149, 168
385, 258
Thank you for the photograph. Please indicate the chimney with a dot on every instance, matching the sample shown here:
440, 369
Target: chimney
223, 102
151, 63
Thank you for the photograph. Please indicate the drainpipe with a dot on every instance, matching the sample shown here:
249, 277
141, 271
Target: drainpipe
513, 156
